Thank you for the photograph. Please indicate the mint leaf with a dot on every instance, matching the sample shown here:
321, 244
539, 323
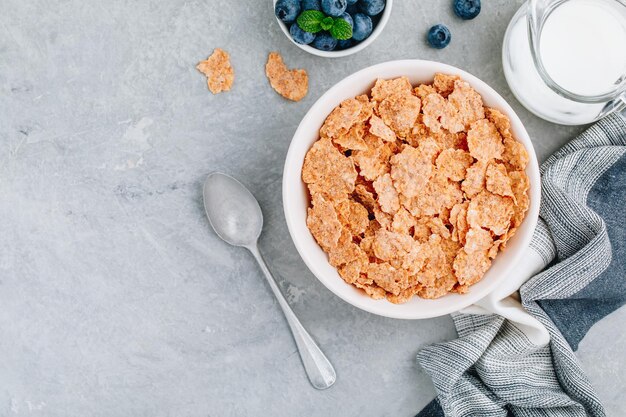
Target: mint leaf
309, 21
341, 29
327, 23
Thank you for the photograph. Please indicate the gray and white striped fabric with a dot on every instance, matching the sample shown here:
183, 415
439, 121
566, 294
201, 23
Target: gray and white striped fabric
496, 367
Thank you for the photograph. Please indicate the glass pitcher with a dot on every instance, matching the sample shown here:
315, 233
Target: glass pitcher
565, 60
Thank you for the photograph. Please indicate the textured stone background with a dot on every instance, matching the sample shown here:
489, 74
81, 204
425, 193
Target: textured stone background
115, 297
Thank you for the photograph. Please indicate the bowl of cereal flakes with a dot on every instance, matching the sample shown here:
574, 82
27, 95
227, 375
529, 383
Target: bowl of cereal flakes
411, 189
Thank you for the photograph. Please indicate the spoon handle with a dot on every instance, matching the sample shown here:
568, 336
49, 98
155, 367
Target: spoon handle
318, 368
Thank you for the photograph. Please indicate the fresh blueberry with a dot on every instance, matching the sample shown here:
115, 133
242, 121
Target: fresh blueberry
371, 7
439, 36
467, 9
352, 9
311, 5
348, 19
344, 44
287, 10
300, 36
362, 27
324, 42
351, 2
334, 8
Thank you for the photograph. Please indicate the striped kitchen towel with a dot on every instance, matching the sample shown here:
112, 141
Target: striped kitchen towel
515, 351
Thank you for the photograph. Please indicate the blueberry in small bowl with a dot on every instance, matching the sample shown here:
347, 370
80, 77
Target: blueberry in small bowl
311, 5
300, 36
334, 8
332, 28
362, 27
348, 18
344, 44
371, 7
325, 42
287, 10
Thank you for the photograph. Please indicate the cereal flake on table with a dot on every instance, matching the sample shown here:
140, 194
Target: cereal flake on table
292, 84
218, 71
415, 190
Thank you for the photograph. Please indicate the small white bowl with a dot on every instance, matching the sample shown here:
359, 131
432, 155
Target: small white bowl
296, 198
384, 18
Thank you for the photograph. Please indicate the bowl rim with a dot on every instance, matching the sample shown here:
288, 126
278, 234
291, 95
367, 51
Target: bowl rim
384, 18
293, 165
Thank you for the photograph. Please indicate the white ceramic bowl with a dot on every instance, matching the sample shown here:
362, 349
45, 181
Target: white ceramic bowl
296, 198
384, 18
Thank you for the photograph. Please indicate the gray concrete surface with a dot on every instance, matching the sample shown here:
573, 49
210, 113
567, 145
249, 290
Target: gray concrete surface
115, 297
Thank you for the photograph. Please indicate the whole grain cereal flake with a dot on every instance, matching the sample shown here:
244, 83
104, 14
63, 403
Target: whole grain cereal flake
367, 107
484, 141
291, 84
468, 102
219, 73
470, 268
448, 140
384, 88
390, 245
453, 163
444, 83
328, 171
458, 220
352, 139
384, 219
410, 170
440, 287
435, 264
437, 227
477, 239
345, 251
440, 113
520, 185
439, 194
421, 230
514, 155
387, 194
374, 161
373, 290
380, 129
404, 295
503, 124
352, 215
342, 118
403, 221
323, 223
399, 111
418, 133
497, 180
491, 211
391, 279
423, 90
351, 271
474, 181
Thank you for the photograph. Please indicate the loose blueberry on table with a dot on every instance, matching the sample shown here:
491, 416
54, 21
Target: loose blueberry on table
439, 36
467, 9
329, 25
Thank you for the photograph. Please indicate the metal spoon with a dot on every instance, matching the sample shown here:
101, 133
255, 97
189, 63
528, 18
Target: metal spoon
236, 217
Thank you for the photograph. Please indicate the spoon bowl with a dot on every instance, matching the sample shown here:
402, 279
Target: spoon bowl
233, 212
